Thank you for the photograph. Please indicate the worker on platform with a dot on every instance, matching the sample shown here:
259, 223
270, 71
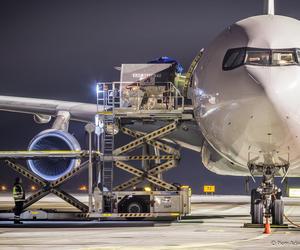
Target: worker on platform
19, 197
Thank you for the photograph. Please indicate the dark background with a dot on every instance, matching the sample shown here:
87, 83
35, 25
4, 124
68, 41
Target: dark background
60, 49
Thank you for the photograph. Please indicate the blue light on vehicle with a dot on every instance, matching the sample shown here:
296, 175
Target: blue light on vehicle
166, 59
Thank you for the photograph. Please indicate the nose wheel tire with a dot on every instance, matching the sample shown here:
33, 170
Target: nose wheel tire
258, 213
256, 207
255, 197
277, 212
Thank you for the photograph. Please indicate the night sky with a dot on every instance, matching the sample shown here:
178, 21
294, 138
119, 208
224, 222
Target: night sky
60, 49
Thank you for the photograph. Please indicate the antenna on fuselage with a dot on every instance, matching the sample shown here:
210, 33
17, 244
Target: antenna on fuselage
269, 7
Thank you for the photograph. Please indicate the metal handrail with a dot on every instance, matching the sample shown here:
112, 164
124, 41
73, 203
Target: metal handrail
114, 96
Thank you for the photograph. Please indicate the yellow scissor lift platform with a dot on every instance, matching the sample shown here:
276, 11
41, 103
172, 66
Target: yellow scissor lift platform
123, 101
118, 102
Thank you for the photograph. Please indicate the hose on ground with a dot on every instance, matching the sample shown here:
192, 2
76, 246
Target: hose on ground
288, 219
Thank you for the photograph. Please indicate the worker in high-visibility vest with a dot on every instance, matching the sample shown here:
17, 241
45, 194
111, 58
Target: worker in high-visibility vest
19, 197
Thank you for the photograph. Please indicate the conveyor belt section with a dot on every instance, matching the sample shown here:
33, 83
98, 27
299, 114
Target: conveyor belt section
170, 157
49, 187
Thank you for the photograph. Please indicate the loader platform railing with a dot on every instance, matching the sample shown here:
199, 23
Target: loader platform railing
139, 96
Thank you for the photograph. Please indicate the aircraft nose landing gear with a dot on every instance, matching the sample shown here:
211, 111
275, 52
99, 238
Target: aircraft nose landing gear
266, 200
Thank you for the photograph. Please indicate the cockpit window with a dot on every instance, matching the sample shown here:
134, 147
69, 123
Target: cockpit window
257, 57
260, 57
283, 58
298, 55
234, 58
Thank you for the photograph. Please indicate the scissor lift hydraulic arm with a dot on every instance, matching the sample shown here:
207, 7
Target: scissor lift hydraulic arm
49, 187
172, 156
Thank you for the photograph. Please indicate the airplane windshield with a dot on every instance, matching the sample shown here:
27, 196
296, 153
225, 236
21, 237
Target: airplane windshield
234, 58
283, 58
260, 57
257, 57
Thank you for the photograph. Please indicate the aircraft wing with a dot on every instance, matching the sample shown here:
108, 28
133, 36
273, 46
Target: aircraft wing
79, 111
187, 136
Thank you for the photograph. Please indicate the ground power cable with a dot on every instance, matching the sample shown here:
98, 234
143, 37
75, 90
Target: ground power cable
289, 220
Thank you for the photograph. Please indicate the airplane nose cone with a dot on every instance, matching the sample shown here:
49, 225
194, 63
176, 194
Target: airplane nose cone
281, 84
282, 87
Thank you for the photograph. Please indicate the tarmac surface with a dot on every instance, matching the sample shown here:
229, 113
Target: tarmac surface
216, 223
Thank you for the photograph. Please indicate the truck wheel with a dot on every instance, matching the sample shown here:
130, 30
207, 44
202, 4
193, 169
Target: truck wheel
277, 212
258, 213
135, 205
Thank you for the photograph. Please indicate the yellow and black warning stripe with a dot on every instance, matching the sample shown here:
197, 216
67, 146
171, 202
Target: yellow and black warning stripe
126, 215
161, 146
153, 135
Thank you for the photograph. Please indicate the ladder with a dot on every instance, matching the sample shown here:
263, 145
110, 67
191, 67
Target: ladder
108, 98
107, 148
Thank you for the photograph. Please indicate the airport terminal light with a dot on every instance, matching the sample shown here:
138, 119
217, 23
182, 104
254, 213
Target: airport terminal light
83, 188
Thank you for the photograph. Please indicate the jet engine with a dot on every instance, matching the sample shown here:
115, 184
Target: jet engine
51, 169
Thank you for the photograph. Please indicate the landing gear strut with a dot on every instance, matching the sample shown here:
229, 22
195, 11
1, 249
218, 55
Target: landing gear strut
266, 199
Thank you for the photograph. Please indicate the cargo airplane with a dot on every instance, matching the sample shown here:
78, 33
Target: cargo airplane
246, 102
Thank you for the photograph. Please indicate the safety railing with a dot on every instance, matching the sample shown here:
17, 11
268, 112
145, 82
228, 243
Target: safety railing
139, 96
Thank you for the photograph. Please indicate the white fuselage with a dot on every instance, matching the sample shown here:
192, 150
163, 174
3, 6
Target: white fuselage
252, 110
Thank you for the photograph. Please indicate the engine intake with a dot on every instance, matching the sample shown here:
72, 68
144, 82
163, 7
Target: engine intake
51, 169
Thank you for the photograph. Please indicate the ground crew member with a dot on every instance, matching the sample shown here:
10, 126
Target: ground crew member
19, 197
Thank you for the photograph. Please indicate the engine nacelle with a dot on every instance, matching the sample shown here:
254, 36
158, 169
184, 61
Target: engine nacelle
51, 169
